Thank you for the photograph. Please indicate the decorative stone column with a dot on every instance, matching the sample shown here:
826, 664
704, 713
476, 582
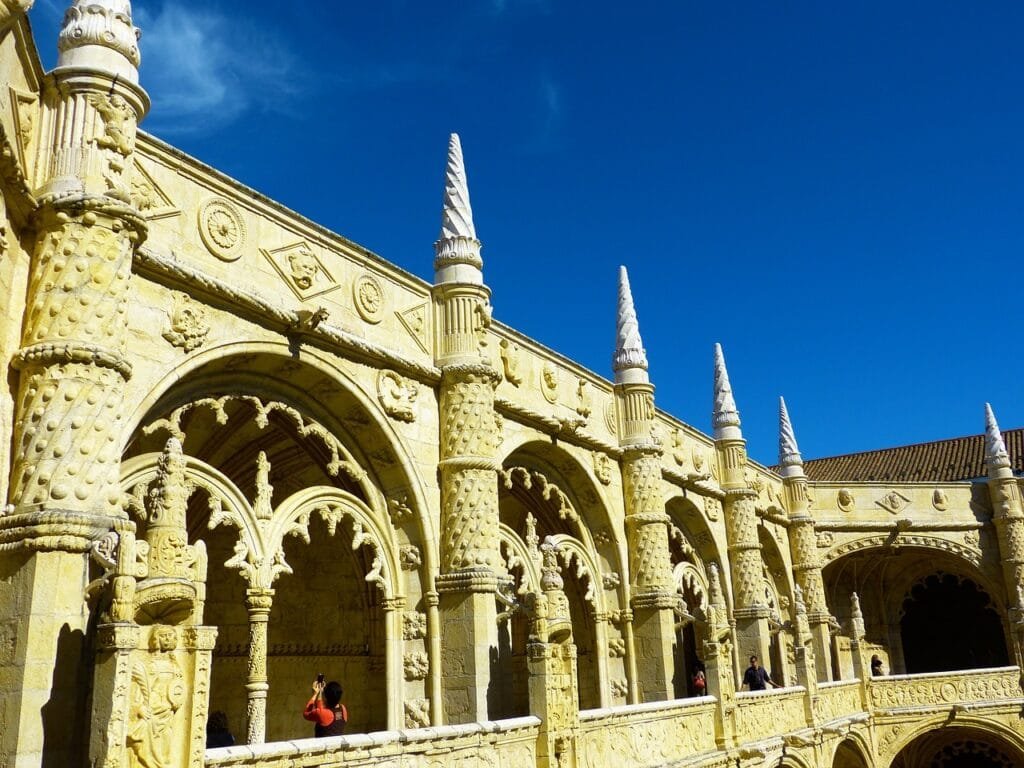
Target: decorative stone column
470, 561
803, 544
258, 603
68, 428
1008, 518
750, 610
551, 656
861, 668
653, 595
718, 662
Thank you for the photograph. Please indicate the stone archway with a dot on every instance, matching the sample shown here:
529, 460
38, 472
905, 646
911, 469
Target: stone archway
278, 430
959, 747
849, 754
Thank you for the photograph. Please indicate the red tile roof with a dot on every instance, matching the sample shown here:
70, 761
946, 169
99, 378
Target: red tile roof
961, 458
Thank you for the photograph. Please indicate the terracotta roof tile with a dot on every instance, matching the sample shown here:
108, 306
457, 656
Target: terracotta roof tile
961, 458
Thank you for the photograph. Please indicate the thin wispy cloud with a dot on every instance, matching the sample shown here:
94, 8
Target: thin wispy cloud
548, 117
204, 70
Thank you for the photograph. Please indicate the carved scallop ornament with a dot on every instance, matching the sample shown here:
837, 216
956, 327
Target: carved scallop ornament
368, 295
221, 228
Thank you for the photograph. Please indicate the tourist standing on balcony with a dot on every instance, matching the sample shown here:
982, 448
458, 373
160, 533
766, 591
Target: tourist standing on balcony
756, 677
700, 682
325, 709
876, 666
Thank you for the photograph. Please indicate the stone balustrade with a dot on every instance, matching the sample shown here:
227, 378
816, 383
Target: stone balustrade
508, 743
939, 689
648, 734
640, 735
837, 699
779, 710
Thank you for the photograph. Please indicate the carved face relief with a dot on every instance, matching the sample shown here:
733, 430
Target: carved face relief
303, 267
844, 499
549, 382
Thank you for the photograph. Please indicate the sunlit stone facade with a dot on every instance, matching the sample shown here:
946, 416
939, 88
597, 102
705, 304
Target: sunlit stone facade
237, 450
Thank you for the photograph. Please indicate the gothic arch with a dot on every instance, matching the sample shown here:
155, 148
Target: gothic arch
852, 752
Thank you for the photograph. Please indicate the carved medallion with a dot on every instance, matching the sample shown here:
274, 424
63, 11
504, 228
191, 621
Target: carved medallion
549, 382
939, 499
582, 399
610, 418
368, 295
397, 396
188, 323
678, 452
697, 455
301, 269
712, 507
222, 229
845, 500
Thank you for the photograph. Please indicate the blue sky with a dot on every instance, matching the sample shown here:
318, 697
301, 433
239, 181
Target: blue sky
833, 191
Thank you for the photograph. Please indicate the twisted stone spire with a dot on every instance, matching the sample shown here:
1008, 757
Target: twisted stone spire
725, 418
790, 462
457, 250
100, 35
996, 455
629, 347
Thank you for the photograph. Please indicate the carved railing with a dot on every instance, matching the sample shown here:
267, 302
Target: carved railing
649, 734
938, 689
838, 699
779, 710
506, 742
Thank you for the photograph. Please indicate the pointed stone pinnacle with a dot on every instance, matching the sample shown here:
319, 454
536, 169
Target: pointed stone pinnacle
629, 347
790, 462
725, 419
996, 455
457, 246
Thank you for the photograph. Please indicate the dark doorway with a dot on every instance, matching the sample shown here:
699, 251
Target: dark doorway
949, 623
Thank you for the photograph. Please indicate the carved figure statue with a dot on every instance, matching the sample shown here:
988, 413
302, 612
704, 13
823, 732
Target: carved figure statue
397, 396
158, 692
304, 267
510, 362
116, 114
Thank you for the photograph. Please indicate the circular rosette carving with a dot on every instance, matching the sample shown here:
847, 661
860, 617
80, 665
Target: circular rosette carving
222, 229
368, 295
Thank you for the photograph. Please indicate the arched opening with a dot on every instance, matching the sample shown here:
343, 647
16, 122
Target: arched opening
959, 747
849, 755
273, 428
907, 602
777, 592
959, 612
542, 495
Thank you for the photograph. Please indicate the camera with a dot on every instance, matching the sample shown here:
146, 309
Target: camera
320, 679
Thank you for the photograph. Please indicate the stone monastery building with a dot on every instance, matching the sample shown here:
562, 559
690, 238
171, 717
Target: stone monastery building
237, 449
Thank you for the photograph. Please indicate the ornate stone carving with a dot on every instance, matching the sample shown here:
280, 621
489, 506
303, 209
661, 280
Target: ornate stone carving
825, 539
893, 502
416, 665
845, 500
549, 382
399, 510
415, 321
940, 500
603, 468
188, 328
698, 457
616, 648
417, 713
157, 695
611, 421
368, 295
678, 448
397, 395
712, 508
221, 228
582, 399
414, 625
301, 269
409, 557
510, 362
108, 25
619, 687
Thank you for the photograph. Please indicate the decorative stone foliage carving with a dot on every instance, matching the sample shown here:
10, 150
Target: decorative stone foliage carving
221, 228
368, 295
619, 687
616, 648
397, 395
414, 625
399, 510
416, 665
417, 713
189, 328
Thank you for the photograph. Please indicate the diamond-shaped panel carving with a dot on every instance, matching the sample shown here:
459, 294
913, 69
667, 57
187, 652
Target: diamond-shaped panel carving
301, 269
